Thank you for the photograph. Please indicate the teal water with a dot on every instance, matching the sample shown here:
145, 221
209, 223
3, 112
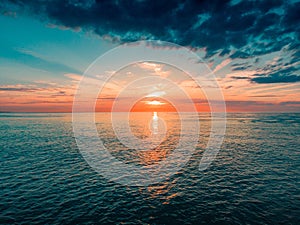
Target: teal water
254, 179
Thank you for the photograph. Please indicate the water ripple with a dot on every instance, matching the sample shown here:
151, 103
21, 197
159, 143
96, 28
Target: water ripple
254, 180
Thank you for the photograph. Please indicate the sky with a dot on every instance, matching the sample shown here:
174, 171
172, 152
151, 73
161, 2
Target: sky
252, 47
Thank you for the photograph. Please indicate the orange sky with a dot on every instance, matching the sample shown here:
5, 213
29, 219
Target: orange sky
240, 95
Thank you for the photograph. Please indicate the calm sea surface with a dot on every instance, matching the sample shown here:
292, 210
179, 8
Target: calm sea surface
254, 179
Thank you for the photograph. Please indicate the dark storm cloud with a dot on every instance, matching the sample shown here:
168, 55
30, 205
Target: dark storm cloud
239, 29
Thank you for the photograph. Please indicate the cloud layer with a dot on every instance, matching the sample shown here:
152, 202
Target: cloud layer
236, 29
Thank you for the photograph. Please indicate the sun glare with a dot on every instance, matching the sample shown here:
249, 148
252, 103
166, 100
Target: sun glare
155, 102
153, 105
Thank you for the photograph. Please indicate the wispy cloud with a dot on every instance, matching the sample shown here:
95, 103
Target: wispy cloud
35, 60
37, 96
222, 65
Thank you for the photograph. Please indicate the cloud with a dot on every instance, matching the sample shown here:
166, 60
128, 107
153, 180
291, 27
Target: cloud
156, 94
18, 88
239, 77
262, 106
37, 97
249, 105
276, 79
74, 77
236, 29
277, 67
290, 103
286, 75
215, 25
35, 60
262, 96
157, 68
36, 89
222, 65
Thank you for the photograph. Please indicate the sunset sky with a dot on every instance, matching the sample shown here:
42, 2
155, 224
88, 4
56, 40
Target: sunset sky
252, 47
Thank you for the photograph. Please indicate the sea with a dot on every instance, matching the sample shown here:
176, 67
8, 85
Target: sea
254, 178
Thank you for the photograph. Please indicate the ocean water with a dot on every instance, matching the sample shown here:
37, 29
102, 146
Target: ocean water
253, 180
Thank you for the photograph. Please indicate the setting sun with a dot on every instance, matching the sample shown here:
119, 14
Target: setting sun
153, 105
155, 102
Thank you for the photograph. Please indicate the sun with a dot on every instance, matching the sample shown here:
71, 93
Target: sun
155, 102
153, 105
